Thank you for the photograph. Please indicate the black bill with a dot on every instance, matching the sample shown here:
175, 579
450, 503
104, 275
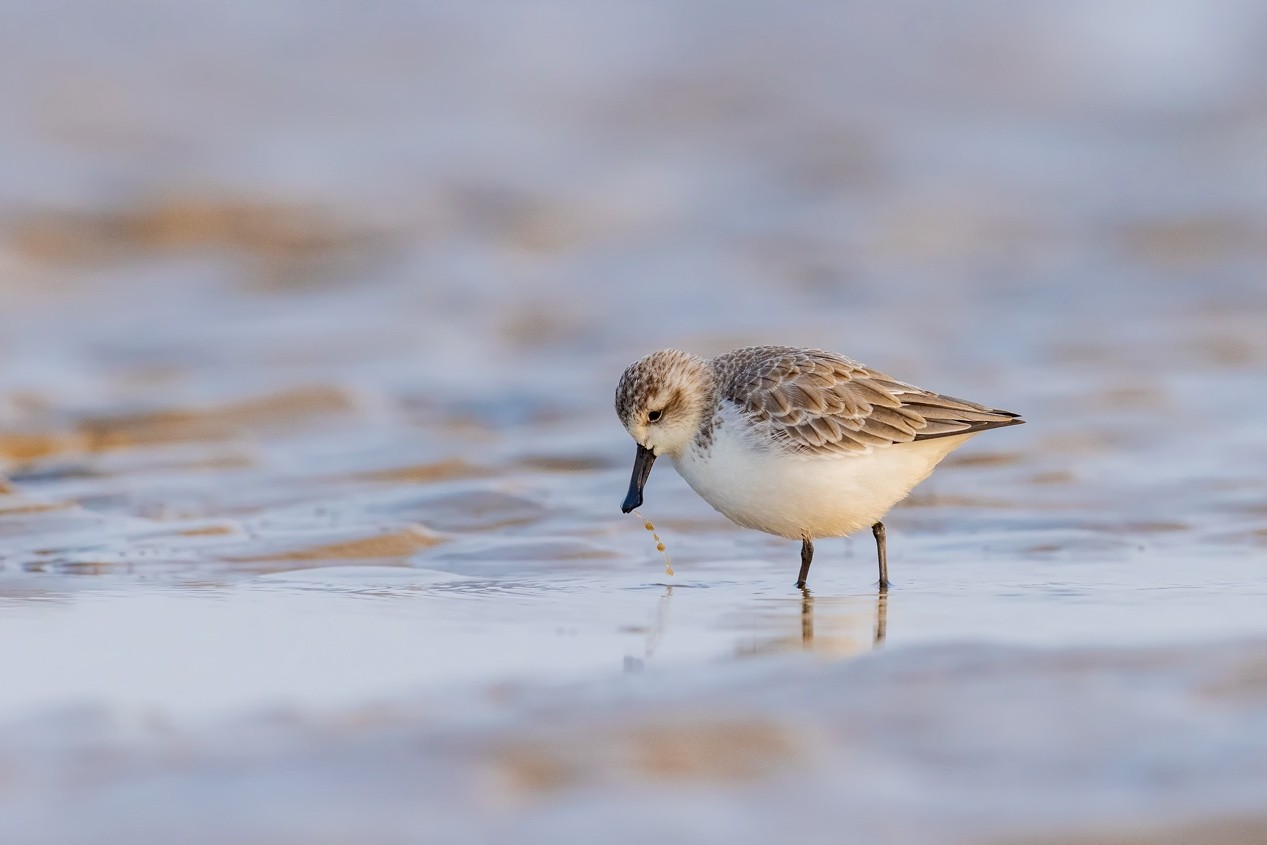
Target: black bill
642, 468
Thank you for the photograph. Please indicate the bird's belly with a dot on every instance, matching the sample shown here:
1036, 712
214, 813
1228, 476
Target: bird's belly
804, 495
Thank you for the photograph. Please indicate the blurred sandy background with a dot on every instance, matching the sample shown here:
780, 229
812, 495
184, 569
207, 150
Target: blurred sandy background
310, 316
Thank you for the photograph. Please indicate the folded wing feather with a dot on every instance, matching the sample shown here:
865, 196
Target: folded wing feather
818, 401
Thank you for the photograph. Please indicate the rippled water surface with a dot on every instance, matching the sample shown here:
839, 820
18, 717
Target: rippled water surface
310, 327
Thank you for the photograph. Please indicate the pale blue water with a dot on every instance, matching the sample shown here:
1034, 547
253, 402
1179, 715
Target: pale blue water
310, 324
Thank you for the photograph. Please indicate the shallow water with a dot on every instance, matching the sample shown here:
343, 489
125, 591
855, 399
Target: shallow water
306, 365
339, 636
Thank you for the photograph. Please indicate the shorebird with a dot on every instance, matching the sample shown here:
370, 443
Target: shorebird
800, 443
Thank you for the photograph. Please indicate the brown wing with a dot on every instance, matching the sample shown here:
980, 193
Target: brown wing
819, 401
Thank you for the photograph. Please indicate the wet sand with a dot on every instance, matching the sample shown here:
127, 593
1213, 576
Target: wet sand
310, 480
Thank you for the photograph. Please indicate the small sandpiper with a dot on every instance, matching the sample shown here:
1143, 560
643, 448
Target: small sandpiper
801, 443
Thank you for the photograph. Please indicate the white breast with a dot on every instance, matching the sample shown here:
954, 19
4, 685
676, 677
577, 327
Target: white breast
800, 495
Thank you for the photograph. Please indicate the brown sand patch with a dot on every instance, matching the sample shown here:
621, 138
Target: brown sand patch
215, 463
18, 508
724, 752
268, 230
89, 567
1157, 526
425, 473
536, 769
1247, 680
712, 752
22, 447
1077, 443
564, 463
208, 531
289, 407
1058, 476
982, 459
954, 500
1225, 351
1235, 831
1134, 399
1191, 240
396, 544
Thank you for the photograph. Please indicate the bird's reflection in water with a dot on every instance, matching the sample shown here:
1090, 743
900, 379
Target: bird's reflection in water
654, 632
807, 618
838, 621
661, 620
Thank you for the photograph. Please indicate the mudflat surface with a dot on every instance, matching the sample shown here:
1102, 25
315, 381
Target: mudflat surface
309, 475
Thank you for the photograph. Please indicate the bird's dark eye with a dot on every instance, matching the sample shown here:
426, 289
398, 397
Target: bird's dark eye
654, 416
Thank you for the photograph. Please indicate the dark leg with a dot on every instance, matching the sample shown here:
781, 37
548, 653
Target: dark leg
807, 557
878, 531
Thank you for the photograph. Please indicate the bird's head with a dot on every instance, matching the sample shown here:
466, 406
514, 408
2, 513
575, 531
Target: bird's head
661, 400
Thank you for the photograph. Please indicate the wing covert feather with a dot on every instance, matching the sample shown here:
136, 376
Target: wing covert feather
818, 401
